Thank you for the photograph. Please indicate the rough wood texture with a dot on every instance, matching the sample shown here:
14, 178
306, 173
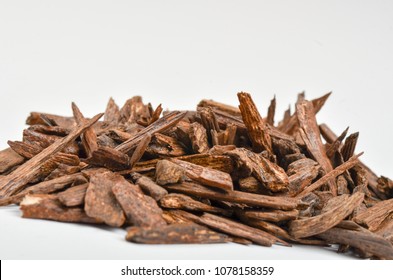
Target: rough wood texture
339, 209
207, 176
141, 210
16, 180
198, 137
109, 158
331, 175
310, 134
100, 202
160, 125
272, 216
363, 240
9, 159
237, 229
89, 137
251, 199
373, 217
74, 196
256, 126
44, 206
272, 176
185, 233
148, 186
181, 201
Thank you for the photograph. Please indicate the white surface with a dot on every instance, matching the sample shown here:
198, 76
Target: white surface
176, 53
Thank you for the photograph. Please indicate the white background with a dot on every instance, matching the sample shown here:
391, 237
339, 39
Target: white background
177, 53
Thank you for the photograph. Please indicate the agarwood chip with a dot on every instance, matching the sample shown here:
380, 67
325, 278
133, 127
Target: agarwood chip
100, 202
48, 207
185, 233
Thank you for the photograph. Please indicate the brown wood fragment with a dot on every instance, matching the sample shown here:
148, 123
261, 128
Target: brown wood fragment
165, 146
100, 202
134, 110
181, 201
89, 137
168, 172
29, 151
148, 186
385, 186
207, 176
339, 209
160, 125
43, 141
112, 112
109, 158
283, 203
198, 137
64, 122
74, 196
271, 111
331, 175
255, 124
220, 107
363, 240
252, 185
185, 233
45, 187
310, 134
272, 216
301, 173
332, 148
272, 176
237, 229
9, 159
16, 180
349, 146
141, 210
140, 150
44, 206
373, 217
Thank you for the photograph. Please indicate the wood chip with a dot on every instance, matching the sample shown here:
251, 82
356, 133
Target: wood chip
185, 233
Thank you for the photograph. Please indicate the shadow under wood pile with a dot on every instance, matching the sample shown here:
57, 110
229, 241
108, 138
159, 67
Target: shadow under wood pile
214, 175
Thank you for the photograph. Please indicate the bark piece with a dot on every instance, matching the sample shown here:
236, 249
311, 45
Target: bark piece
363, 240
89, 137
268, 173
272, 216
74, 196
206, 176
373, 217
333, 215
168, 172
9, 159
237, 229
45, 187
140, 150
310, 134
181, 201
185, 233
44, 206
100, 202
252, 185
255, 124
160, 125
271, 111
331, 175
198, 137
163, 145
275, 202
148, 186
349, 147
109, 158
140, 210
220, 107
112, 112
17, 179
301, 173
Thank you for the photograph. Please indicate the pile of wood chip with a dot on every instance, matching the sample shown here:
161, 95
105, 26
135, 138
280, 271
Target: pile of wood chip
217, 174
